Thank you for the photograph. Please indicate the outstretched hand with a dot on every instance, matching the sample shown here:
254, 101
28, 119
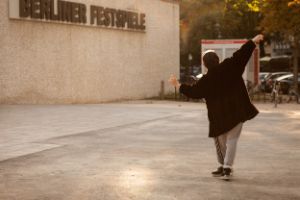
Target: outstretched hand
173, 81
258, 38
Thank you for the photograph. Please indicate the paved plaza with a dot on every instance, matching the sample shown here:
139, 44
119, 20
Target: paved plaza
143, 150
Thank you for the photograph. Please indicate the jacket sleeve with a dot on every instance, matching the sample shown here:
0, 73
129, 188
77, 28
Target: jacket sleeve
236, 64
195, 91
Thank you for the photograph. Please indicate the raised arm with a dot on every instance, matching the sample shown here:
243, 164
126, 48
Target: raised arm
237, 63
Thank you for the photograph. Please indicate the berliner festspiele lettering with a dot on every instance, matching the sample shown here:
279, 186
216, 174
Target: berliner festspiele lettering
72, 12
44, 9
117, 18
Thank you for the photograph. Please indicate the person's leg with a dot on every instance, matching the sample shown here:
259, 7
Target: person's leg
231, 146
220, 143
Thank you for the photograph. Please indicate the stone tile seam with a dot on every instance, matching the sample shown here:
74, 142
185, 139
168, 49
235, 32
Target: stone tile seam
33, 153
103, 130
45, 142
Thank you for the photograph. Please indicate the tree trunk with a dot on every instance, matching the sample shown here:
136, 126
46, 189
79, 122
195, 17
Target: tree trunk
295, 64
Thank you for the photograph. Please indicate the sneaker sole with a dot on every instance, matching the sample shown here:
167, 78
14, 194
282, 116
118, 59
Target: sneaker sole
217, 175
226, 178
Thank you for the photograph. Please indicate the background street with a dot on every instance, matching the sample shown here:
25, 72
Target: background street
154, 150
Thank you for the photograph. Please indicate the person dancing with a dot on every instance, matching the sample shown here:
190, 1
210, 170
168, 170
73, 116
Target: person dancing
227, 101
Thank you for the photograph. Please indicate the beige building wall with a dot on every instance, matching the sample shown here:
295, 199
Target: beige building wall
50, 63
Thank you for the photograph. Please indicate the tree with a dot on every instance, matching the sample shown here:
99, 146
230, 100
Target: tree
282, 17
215, 19
198, 20
241, 18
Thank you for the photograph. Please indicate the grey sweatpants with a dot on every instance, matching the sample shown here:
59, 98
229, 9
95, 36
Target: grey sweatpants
226, 145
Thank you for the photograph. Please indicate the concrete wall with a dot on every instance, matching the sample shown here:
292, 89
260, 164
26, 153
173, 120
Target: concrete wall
45, 63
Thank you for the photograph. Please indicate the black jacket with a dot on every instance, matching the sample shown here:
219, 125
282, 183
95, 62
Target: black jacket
225, 92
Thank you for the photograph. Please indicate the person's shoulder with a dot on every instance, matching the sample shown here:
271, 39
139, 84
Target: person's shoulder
225, 62
216, 70
211, 76
203, 79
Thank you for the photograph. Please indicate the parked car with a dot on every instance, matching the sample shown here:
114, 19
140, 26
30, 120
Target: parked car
268, 82
196, 70
286, 83
262, 76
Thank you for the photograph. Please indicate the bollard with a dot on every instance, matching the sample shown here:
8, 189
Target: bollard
276, 98
162, 90
175, 95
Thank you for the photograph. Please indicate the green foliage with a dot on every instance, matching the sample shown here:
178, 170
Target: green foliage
213, 19
201, 17
241, 18
281, 17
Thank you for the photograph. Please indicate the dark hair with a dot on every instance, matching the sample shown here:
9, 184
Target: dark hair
210, 59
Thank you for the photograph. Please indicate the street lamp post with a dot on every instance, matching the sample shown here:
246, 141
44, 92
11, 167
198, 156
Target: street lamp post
295, 45
217, 26
190, 63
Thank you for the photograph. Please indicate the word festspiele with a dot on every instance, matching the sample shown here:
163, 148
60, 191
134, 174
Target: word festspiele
72, 12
